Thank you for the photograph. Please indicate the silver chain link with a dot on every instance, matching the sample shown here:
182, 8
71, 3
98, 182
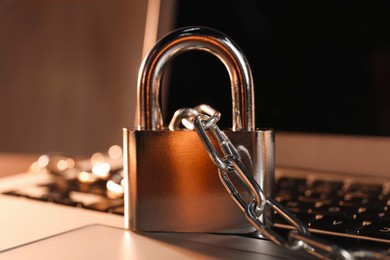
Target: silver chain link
204, 118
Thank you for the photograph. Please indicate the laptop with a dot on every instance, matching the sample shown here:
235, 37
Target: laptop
321, 82
336, 154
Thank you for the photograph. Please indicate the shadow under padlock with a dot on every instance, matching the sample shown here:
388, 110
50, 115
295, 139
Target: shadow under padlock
172, 184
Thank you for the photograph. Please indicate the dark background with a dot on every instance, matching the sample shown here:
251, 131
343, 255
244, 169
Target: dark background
318, 66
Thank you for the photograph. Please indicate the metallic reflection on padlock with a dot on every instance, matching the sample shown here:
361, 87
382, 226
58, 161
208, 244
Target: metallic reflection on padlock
172, 185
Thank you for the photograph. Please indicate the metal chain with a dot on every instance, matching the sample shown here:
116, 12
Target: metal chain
204, 118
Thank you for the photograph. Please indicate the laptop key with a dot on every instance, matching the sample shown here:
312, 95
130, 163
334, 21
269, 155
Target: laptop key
62, 199
337, 224
377, 229
298, 206
385, 216
106, 205
335, 211
304, 217
291, 183
325, 187
120, 210
286, 195
360, 188
369, 215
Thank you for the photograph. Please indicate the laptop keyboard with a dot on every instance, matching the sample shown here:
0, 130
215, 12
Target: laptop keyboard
338, 208
73, 193
331, 208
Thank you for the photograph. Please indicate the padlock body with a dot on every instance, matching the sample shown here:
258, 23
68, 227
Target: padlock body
173, 186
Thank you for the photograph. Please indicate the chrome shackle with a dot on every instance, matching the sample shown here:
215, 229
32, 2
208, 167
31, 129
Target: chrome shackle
195, 38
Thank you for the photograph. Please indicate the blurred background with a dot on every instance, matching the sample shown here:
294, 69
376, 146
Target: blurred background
68, 71
68, 68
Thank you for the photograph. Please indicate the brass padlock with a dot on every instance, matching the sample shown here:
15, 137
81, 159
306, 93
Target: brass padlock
172, 185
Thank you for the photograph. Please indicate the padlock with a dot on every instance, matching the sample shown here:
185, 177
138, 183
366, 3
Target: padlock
171, 183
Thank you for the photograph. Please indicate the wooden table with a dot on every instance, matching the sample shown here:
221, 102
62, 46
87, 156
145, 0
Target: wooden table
13, 163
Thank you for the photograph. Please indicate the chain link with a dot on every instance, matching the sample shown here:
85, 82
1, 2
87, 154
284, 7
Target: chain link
204, 118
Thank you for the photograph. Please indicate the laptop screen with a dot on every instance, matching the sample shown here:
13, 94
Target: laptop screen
321, 70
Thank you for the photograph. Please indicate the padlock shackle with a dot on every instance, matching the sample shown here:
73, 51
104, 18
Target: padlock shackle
195, 38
